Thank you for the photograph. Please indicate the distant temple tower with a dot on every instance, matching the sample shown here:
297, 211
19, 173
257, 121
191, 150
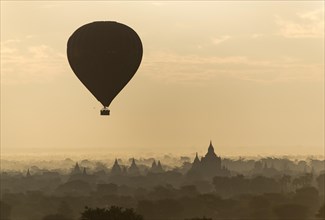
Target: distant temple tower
159, 167
209, 166
79, 173
133, 170
153, 166
116, 169
156, 168
76, 169
196, 163
28, 174
211, 162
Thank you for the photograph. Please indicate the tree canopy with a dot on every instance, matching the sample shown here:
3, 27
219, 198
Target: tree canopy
112, 213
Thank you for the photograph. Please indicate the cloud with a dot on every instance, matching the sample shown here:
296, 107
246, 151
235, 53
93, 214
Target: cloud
25, 63
218, 40
314, 15
305, 25
175, 68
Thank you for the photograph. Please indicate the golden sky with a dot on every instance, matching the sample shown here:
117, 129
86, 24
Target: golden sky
248, 75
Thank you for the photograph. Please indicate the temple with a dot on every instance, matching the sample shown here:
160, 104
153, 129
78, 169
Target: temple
156, 168
133, 169
116, 169
76, 170
209, 165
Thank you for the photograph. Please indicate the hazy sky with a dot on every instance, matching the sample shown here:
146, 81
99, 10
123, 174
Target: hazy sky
248, 75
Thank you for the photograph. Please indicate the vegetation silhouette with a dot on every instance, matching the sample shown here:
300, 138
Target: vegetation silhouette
321, 212
291, 211
255, 189
203, 218
5, 211
113, 213
55, 217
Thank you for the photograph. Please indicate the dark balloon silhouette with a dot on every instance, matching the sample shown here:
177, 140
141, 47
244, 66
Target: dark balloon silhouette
104, 55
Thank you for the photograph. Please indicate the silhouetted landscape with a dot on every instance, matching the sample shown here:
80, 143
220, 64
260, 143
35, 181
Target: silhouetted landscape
107, 109
202, 188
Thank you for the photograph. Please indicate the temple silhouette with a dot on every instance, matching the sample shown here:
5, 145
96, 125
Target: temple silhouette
209, 165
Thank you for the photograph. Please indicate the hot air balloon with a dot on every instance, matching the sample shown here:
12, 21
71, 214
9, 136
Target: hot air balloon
104, 55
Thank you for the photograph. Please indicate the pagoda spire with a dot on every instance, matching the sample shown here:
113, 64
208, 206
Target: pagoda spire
196, 163
196, 159
211, 148
133, 169
133, 162
153, 165
76, 169
28, 173
116, 169
159, 167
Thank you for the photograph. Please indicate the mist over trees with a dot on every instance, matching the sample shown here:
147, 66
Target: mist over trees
201, 188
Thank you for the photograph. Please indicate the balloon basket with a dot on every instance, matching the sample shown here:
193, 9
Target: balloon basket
104, 111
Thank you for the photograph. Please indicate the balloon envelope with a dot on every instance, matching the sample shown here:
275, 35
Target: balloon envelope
104, 55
